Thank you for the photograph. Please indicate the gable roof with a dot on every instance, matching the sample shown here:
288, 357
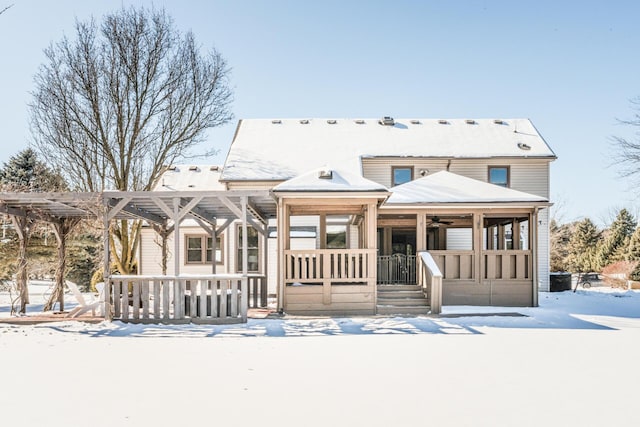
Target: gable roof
190, 178
265, 149
338, 181
447, 187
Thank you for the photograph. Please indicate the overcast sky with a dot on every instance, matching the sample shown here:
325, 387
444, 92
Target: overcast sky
571, 67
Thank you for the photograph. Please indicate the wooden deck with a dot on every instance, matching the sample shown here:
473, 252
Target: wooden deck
37, 318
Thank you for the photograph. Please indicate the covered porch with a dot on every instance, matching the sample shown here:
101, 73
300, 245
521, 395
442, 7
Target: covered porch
339, 275
482, 239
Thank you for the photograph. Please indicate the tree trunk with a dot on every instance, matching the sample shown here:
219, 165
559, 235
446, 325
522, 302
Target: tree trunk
61, 230
21, 226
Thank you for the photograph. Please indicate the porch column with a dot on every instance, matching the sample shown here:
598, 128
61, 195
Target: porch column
477, 246
323, 231
421, 232
106, 269
178, 294
245, 261
371, 225
283, 245
534, 256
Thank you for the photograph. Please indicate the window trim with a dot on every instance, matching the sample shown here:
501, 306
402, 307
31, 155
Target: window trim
239, 248
508, 169
203, 249
393, 174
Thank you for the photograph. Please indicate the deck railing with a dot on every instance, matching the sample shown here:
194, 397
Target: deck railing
218, 298
507, 264
396, 269
455, 264
336, 265
430, 278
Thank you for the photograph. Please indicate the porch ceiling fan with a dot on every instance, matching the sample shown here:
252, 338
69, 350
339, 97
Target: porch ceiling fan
436, 221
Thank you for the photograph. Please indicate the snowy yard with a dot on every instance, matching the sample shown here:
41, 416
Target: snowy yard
570, 362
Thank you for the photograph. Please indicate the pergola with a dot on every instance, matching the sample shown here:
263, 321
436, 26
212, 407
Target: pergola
214, 211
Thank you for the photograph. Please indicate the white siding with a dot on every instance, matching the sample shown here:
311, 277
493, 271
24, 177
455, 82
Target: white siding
379, 170
543, 250
150, 255
459, 239
532, 178
528, 175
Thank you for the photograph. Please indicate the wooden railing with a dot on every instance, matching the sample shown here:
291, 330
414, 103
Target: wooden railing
430, 278
507, 264
337, 265
218, 298
455, 264
396, 269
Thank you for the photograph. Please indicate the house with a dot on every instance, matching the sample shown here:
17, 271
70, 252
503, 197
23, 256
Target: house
369, 211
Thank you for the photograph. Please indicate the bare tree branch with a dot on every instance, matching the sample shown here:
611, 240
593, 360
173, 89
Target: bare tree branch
5, 9
123, 99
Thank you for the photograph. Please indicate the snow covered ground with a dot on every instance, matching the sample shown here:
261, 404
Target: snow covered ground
571, 362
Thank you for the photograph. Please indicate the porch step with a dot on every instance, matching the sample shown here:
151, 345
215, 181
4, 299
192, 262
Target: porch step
399, 310
388, 288
402, 299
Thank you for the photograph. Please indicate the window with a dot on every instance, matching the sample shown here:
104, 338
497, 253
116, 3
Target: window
499, 175
400, 175
199, 249
336, 236
253, 249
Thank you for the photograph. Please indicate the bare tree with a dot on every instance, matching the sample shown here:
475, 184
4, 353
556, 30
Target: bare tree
123, 99
627, 150
4, 9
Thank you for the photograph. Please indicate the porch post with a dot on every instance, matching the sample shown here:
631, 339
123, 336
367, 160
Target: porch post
323, 231
106, 270
178, 297
282, 246
214, 247
421, 232
477, 246
534, 255
176, 236
245, 261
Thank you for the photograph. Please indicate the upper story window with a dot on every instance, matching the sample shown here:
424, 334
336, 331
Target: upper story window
499, 175
199, 249
401, 174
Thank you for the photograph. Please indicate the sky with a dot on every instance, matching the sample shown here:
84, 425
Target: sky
570, 67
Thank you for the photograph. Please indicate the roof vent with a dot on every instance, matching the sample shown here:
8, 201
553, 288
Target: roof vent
523, 146
214, 168
325, 174
499, 122
359, 121
443, 122
276, 122
332, 121
304, 122
172, 168
470, 122
193, 168
387, 121
416, 122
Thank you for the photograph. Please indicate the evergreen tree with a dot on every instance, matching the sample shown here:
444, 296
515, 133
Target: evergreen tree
614, 247
582, 247
559, 239
633, 249
26, 173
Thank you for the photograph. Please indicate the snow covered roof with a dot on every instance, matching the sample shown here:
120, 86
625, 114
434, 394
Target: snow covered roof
190, 178
330, 180
265, 149
447, 187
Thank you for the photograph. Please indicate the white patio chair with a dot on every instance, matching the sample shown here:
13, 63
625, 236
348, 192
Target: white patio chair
96, 304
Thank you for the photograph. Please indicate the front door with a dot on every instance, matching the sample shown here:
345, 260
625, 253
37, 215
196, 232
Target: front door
398, 266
